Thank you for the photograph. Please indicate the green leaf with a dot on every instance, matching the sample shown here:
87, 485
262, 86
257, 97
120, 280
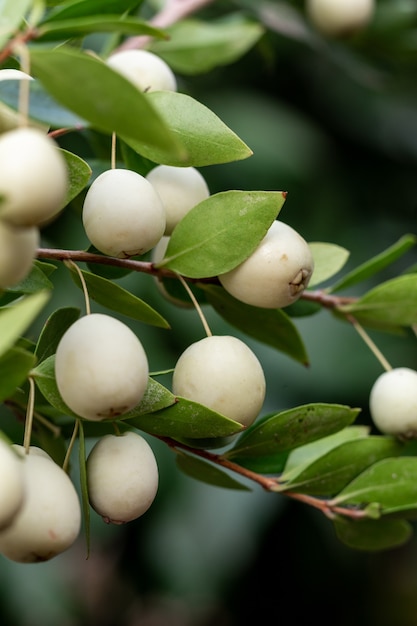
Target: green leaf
330, 473
15, 365
187, 419
83, 8
35, 281
118, 299
391, 484
107, 99
195, 46
392, 303
79, 173
263, 443
371, 535
206, 139
328, 260
79, 26
272, 327
82, 460
221, 232
376, 263
16, 318
156, 398
55, 326
12, 13
207, 473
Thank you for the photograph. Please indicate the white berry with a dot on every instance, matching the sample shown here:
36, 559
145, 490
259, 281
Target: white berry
12, 490
393, 402
122, 477
123, 215
222, 373
276, 273
101, 368
49, 520
144, 69
17, 252
34, 177
339, 17
180, 189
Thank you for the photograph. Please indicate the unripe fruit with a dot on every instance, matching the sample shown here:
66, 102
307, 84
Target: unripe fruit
144, 69
222, 373
180, 189
101, 368
340, 17
122, 477
123, 215
34, 177
49, 520
12, 491
276, 273
17, 252
393, 402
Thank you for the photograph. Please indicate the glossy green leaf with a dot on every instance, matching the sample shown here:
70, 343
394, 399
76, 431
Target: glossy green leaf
55, 326
329, 474
82, 461
195, 46
82, 8
371, 535
79, 26
116, 298
391, 484
272, 327
79, 173
376, 263
107, 100
205, 472
187, 419
328, 260
206, 139
16, 318
12, 13
156, 398
392, 303
221, 232
35, 281
284, 431
15, 365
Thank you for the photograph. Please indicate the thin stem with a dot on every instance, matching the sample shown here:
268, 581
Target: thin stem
55, 430
74, 435
29, 415
197, 306
113, 151
24, 85
370, 343
83, 284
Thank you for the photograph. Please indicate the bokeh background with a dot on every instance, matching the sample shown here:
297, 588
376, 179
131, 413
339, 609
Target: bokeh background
333, 123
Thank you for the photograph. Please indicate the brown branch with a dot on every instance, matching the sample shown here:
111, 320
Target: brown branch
19, 39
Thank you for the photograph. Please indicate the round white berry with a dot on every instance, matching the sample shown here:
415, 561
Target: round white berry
393, 402
123, 215
49, 520
122, 477
12, 491
34, 177
147, 71
339, 17
180, 189
17, 252
101, 368
222, 373
276, 273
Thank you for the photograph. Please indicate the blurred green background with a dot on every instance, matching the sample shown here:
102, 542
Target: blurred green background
333, 123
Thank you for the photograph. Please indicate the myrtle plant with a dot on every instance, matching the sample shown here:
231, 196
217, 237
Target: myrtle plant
145, 207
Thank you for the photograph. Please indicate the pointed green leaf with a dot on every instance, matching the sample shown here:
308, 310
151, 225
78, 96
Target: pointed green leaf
116, 298
271, 327
187, 419
391, 484
156, 398
290, 429
206, 139
107, 99
392, 303
16, 318
221, 232
35, 281
55, 326
371, 535
82, 8
207, 473
330, 473
15, 365
328, 260
79, 26
376, 263
12, 13
195, 46
79, 173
